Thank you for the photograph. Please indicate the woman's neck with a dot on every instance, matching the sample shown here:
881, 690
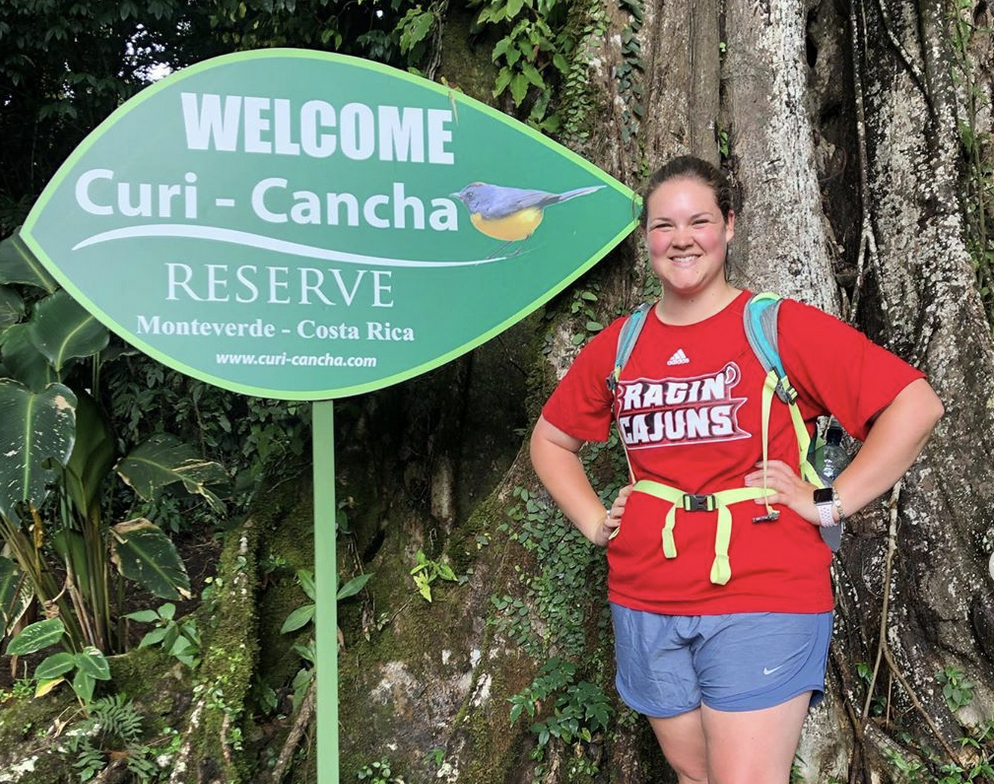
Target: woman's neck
681, 311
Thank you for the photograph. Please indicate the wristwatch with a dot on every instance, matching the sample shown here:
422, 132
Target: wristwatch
824, 500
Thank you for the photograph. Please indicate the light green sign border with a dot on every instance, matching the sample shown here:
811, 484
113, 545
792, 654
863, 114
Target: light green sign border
323, 394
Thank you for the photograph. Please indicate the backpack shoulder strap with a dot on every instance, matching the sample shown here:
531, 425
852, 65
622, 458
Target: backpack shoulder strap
761, 320
761, 317
627, 339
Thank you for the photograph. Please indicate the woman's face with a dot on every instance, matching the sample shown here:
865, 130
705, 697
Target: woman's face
687, 236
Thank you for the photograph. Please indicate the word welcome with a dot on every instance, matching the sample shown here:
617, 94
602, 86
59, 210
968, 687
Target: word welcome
274, 126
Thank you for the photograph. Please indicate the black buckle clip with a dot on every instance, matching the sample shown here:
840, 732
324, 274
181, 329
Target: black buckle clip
699, 503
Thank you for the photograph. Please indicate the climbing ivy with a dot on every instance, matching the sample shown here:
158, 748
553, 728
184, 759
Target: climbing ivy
629, 72
532, 54
978, 181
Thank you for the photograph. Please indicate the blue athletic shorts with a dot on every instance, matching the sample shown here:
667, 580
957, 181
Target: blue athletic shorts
670, 664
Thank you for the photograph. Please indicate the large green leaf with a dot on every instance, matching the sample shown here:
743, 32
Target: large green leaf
83, 684
298, 618
35, 430
61, 328
164, 460
36, 637
92, 455
55, 665
23, 361
144, 554
71, 547
15, 595
19, 265
91, 661
11, 307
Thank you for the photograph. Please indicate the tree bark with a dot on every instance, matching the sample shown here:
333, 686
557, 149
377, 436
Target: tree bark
839, 123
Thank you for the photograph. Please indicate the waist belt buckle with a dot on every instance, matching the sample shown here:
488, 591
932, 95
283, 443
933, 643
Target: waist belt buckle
699, 503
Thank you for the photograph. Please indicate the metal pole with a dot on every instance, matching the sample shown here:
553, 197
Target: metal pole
326, 579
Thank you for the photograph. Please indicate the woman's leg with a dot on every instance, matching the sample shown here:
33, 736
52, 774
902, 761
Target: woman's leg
754, 747
682, 740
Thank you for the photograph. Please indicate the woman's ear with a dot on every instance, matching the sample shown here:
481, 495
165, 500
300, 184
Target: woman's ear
730, 225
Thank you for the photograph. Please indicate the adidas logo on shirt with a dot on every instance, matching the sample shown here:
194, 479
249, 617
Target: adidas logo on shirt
679, 358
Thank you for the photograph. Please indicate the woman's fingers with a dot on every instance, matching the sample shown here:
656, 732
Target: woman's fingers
788, 488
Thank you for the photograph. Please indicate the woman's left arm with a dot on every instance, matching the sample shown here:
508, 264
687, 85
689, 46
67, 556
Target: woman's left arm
895, 439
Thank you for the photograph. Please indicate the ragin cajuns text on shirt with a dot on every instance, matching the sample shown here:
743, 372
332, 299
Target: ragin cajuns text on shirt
671, 411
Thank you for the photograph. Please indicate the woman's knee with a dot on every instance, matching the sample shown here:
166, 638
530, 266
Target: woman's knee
682, 741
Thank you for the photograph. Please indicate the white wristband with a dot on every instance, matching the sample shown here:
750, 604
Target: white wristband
825, 519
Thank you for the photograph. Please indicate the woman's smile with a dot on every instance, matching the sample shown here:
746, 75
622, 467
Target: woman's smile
687, 236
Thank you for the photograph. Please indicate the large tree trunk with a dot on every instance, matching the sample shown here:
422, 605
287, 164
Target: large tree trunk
839, 123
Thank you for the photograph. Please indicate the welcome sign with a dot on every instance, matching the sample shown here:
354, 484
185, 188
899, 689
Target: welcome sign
298, 225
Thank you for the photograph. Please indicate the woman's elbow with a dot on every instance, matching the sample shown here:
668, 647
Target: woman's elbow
928, 406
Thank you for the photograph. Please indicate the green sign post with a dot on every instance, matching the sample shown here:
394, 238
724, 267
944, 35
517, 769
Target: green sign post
304, 226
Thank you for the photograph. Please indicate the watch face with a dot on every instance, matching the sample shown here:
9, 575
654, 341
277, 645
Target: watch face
823, 495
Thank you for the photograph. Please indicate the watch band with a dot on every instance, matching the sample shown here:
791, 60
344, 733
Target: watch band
825, 519
824, 501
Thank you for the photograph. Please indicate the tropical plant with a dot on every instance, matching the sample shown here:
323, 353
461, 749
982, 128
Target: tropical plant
60, 452
177, 638
89, 664
427, 571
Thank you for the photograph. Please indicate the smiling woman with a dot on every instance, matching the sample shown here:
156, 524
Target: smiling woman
722, 618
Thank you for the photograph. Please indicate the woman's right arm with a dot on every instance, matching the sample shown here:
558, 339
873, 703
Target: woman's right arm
554, 456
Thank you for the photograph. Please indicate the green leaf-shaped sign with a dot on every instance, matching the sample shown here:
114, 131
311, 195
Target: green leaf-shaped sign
301, 225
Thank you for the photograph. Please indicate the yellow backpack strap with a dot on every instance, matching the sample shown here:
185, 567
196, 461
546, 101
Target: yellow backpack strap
760, 319
721, 569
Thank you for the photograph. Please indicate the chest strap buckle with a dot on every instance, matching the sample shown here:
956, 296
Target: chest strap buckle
699, 503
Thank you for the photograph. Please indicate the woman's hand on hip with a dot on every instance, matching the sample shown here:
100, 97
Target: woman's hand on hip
612, 520
788, 489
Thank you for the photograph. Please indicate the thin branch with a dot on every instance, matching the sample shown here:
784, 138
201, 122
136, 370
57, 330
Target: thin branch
885, 608
916, 72
867, 240
300, 725
883, 649
921, 708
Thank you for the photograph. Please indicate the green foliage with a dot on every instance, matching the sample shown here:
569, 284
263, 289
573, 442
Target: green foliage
582, 309
89, 664
532, 53
577, 112
956, 688
113, 725
978, 182
414, 29
58, 497
377, 773
555, 593
629, 72
878, 705
304, 614
428, 571
180, 639
578, 710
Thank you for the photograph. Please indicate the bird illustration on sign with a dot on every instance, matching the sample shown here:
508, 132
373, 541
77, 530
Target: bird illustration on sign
511, 214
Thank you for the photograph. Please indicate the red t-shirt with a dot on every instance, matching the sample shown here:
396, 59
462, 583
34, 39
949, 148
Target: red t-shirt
689, 411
